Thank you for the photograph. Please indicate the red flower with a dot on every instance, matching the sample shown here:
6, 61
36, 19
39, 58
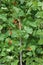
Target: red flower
29, 49
10, 32
10, 42
15, 21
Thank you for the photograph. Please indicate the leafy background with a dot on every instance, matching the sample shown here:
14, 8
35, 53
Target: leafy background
30, 14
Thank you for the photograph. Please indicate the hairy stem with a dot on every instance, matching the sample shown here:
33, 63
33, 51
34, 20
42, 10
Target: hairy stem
20, 45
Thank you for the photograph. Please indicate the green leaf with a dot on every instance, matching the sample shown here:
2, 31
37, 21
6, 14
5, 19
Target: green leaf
14, 34
2, 37
1, 27
28, 30
22, 1
40, 42
33, 47
39, 14
15, 62
29, 54
3, 17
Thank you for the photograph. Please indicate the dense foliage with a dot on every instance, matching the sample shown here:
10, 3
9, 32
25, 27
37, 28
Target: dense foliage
30, 14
